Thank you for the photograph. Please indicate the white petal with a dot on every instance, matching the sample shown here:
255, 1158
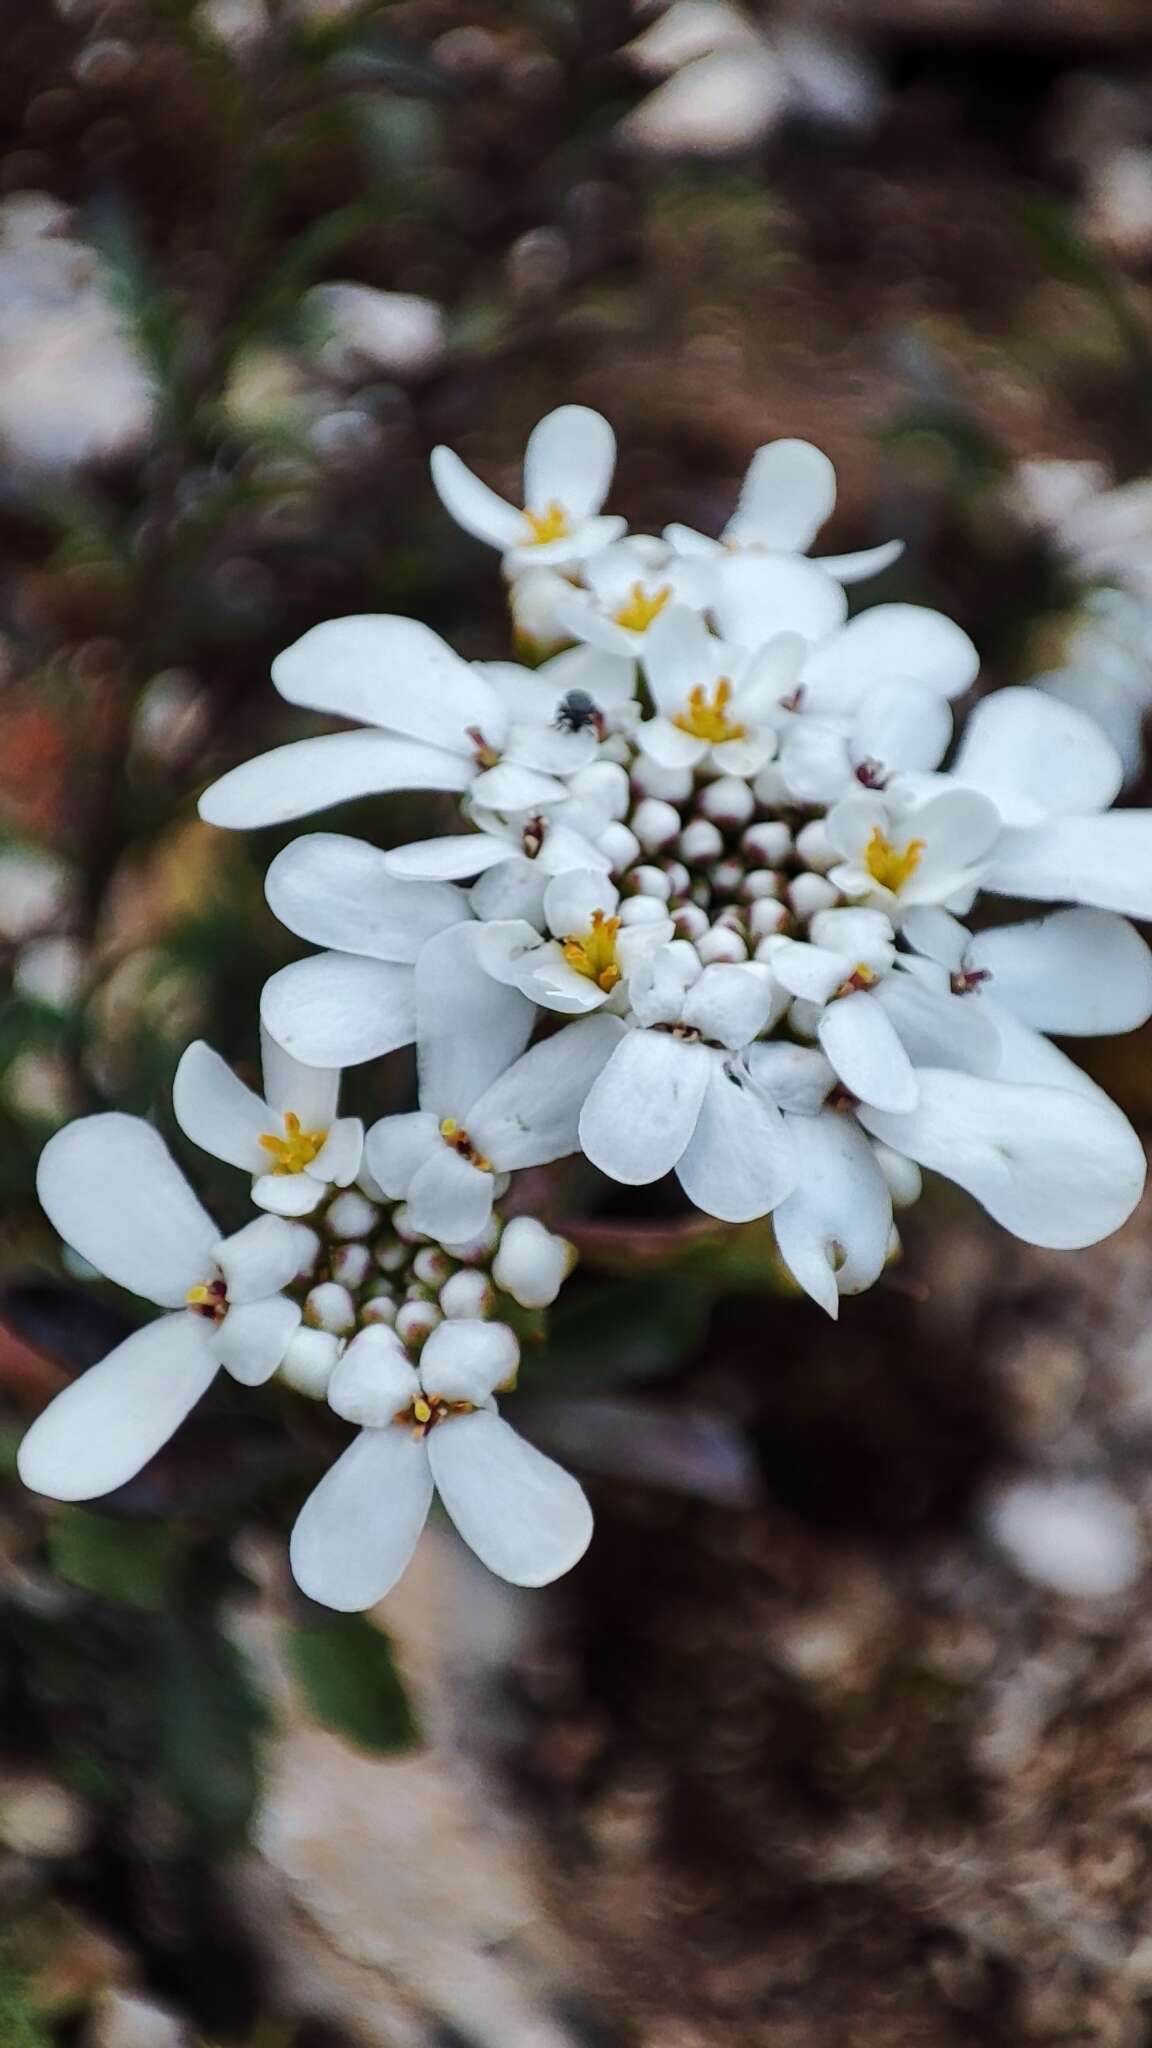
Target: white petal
759, 596
1056, 1168
455, 859
472, 504
511, 787
390, 671
1031, 1059
312, 1093
530, 1116
902, 725
1036, 757
669, 745
524, 1516
355, 1534
859, 1039
215, 1109
398, 1146
287, 1194
449, 1198
453, 988
729, 1004
1103, 861
569, 460
338, 1160
832, 1232
812, 972
861, 563
814, 761
110, 1187
513, 890
641, 1112
374, 1379
467, 1360
1078, 972
258, 1259
938, 1029
795, 1077
787, 494
308, 775
252, 1339
572, 899
937, 935
98, 1433
890, 641
337, 892
335, 1010
680, 654
740, 1161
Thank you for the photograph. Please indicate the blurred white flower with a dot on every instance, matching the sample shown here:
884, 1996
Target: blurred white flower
394, 333
1107, 671
36, 888
1076, 1536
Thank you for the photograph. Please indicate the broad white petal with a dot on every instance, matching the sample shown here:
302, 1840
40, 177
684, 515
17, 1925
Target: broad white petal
729, 1004
110, 1187
1056, 1168
741, 1159
901, 725
525, 1517
814, 760
515, 889
511, 787
472, 504
530, 1116
252, 1339
337, 892
572, 899
832, 1232
760, 595
1082, 973
469, 1027
335, 1010
214, 1108
642, 1110
680, 655
449, 1198
288, 1194
103, 1428
338, 1159
1036, 757
569, 460
669, 745
1106, 862
312, 1093
308, 775
859, 1039
889, 641
788, 493
384, 670
398, 1146
466, 1360
374, 1379
259, 1259
356, 1532
455, 859
938, 1029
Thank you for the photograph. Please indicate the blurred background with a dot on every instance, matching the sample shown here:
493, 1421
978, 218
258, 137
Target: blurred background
842, 1733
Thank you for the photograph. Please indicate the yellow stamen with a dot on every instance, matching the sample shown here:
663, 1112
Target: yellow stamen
889, 865
707, 715
551, 524
198, 1297
460, 1142
421, 1412
210, 1299
296, 1149
861, 977
426, 1410
637, 614
593, 953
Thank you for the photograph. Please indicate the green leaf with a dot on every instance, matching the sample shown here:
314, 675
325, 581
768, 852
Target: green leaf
207, 1719
612, 1333
347, 1671
20, 2025
121, 1561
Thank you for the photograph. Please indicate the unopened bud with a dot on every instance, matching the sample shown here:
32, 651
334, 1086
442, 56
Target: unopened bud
767, 915
404, 1229
810, 893
727, 876
649, 881
390, 1255
468, 1293
351, 1264
691, 922
415, 1321
605, 784
814, 846
761, 882
720, 943
352, 1215
674, 785
620, 845
431, 1267
678, 876
330, 1307
310, 1360
642, 910
769, 843
479, 1247
532, 1263
381, 1309
655, 823
700, 843
727, 801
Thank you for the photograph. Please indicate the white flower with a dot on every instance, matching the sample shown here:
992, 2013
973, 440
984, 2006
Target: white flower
486, 1105
354, 1001
435, 722
1052, 774
112, 1191
834, 1228
587, 960
532, 1263
713, 704
1078, 1536
293, 1142
673, 1098
626, 588
1107, 671
394, 333
433, 1426
895, 856
788, 493
568, 465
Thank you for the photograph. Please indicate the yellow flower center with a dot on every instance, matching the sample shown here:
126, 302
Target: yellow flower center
296, 1149
551, 524
460, 1142
889, 865
593, 953
861, 978
707, 715
427, 1410
641, 607
209, 1299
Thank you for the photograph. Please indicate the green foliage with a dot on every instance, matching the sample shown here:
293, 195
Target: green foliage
625, 1330
20, 2025
347, 1671
207, 1720
128, 1562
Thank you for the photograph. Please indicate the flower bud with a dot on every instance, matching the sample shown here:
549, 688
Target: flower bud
477, 1248
403, 1227
767, 842
691, 922
308, 1250
330, 1307
721, 943
468, 1293
351, 1264
814, 846
649, 881
431, 1267
762, 882
390, 1255
767, 915
620, 845
678, 876
674, 785
415, 1320
532, 1264
381, 1309
642, 910
310, 1360
605, 784
655, 823
728, 802
351, 1214
810, 893
727, 876
700, 843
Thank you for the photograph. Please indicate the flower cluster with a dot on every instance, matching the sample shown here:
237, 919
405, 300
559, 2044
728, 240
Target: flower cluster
705, 910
